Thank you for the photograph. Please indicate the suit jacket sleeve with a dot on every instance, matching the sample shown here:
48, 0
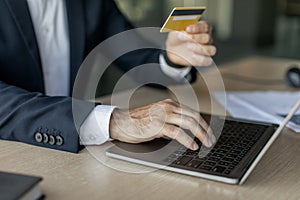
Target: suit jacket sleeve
34, 118
118, 23
44, 121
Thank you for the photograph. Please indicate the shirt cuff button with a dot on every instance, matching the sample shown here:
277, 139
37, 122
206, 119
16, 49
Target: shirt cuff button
38, 137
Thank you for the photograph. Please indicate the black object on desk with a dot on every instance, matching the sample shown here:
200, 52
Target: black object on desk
17, 186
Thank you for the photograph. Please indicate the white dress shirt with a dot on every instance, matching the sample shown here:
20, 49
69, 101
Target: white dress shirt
51, 28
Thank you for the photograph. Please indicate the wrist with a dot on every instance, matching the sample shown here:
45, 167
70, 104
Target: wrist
169, 62
114, 129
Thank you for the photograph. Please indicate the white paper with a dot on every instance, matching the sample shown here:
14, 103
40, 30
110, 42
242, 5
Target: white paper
263, 106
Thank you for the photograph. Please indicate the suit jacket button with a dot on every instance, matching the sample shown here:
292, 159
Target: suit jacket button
52, 140
46, 138
59, 141
38, 137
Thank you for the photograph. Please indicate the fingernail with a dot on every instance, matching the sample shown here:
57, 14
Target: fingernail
208, 142
213, 139
195, 146
189, 29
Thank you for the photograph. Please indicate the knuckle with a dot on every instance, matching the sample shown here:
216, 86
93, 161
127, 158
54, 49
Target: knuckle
206, 38
157, 122
171, 104
200, 133
209, 61
205, 27
159, 135
167, 101
173, 131
201, 119
203, 23
201, 59
191, 122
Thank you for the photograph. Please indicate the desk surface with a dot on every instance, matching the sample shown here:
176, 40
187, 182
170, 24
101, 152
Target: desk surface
81, 176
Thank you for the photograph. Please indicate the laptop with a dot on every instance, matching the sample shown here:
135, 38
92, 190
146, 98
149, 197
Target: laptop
239, 148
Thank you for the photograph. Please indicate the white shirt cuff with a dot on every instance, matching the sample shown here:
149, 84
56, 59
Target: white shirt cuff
95, 129
175, 73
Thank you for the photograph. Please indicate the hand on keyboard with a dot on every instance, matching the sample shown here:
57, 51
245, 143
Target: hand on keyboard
164, 118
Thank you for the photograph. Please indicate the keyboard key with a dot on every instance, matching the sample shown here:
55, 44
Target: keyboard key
221, 151
208, 168
209, 163
200, 159
237, 148
218, 155
174, 156
234, 152
228, 144
203, 155
244, 141
214, 159
227, 172
235, 163
234, 141
178, 152
227, 148
241, 145
218, 169
224, 163
194, 163
228, 159
191, 153
231, 155
183, 160
245, 151
231, 167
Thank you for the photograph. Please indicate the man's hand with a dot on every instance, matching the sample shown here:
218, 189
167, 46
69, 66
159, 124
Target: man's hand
192, 46
164, 118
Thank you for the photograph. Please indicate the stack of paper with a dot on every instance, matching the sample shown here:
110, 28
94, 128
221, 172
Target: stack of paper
266, 106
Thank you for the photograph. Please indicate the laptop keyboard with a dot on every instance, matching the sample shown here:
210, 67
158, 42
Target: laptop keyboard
233, 145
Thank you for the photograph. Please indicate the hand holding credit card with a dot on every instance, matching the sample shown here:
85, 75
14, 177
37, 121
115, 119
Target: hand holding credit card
182, 17
189, 42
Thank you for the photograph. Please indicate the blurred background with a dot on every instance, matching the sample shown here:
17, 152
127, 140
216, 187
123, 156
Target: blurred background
241, 27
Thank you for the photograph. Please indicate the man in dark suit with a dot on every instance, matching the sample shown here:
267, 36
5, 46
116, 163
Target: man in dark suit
42, 45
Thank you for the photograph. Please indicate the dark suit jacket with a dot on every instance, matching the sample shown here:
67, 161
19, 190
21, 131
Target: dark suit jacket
26, 115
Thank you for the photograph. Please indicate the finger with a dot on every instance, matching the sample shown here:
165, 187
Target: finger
200, 27
207, 50
185, 110
202, 38
178, 134
191, 124
183, 36
199, 60
172, 106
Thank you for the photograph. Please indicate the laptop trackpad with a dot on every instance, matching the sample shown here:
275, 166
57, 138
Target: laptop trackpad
146, 147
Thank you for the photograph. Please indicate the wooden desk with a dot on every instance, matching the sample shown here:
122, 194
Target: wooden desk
81, 176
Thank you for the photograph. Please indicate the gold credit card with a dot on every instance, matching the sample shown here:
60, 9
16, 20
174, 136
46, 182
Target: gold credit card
182, 17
